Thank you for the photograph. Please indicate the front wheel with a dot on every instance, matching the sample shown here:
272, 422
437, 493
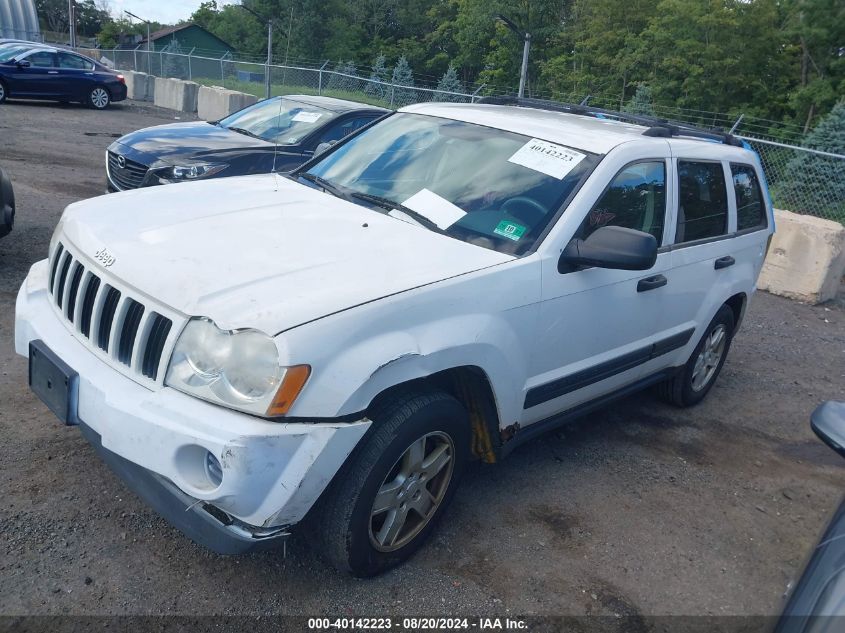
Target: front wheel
3, 92
99, 98
388, 497
696, 377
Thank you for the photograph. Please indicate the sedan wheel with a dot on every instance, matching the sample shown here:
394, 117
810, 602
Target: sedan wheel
99, 98
2, 92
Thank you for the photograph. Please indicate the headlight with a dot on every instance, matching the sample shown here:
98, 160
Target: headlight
179, 173
239, 369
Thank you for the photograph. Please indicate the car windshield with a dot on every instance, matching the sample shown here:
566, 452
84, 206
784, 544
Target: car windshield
280, 120
484, 186
10, 51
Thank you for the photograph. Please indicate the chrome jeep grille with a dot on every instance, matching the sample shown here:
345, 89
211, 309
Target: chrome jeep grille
130, 176
124, 329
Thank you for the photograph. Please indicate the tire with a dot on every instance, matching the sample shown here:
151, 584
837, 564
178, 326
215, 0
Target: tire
689, 387
4, 92
345, 527
99, 98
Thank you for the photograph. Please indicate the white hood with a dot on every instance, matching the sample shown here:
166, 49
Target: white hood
261, 251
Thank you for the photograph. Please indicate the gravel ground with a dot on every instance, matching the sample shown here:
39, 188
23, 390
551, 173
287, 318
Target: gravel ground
639, 509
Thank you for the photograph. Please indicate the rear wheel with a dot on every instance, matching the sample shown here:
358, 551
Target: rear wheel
99, 98
388, 497
694, 380
3, 92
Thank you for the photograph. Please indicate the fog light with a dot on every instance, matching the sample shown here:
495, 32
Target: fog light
213, 470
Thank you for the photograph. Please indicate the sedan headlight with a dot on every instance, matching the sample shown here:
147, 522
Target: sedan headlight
180, 173
238, 369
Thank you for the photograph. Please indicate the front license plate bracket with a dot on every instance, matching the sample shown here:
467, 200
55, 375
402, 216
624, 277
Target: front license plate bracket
54, 382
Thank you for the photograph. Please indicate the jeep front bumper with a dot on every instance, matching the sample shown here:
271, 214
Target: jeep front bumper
157, 441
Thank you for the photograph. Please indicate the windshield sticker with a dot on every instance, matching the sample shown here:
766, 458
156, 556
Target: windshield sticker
510, 230
547, 158
307, 117
439, 210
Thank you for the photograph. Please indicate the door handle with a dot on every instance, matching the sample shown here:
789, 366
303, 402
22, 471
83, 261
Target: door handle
651, 283
724, 262
52, 72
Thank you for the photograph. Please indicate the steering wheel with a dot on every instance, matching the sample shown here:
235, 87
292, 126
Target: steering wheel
535, 211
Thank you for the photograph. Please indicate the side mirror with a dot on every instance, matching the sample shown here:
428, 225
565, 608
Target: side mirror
828, 422
24, 63
322, 147
610, 247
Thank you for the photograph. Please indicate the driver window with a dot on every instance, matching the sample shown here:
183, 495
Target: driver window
635, 199
41, 59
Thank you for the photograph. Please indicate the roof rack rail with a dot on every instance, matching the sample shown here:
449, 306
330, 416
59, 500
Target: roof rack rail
656, 126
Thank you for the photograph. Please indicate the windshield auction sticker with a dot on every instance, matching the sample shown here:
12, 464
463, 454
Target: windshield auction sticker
307, 117
437, 209
510, 230
547, 158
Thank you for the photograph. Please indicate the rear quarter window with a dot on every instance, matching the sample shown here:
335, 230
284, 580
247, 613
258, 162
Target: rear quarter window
750, 207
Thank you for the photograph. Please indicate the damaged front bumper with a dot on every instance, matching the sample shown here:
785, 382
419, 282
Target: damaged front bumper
160, 440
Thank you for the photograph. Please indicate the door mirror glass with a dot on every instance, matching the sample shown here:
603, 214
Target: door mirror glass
610, 247
24, 63
828, 422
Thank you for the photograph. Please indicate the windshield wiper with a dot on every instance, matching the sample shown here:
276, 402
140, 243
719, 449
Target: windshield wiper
386, 203
325, 184
245, 132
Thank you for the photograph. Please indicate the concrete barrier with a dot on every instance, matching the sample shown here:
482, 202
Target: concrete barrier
139, 86
806, 259
214, 103
176, 94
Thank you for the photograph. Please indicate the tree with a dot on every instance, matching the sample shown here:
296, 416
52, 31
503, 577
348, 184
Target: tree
174, 60
377, 74
641, 102
449, 83
814, 183
402, 76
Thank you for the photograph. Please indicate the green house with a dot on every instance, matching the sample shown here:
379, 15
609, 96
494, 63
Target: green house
187, 37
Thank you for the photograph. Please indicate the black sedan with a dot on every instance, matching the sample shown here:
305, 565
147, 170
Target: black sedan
278, 134
31, 71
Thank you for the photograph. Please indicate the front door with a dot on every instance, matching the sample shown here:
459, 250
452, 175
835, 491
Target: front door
599, 329
40, 78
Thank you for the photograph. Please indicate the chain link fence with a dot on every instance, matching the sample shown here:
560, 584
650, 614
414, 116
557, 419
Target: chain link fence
801, 179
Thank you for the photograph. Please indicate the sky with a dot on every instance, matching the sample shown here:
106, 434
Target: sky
164, 11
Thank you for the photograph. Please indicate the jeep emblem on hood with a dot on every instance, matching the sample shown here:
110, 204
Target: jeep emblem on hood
104, 257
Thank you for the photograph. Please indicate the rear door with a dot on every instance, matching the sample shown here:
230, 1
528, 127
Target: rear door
704, 268
76, 75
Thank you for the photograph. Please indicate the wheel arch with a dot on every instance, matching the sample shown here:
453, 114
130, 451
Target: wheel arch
469, 385
737, 303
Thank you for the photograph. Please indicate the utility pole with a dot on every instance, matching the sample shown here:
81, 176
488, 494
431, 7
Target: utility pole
149, 55
526, 47
71, 21
269, 47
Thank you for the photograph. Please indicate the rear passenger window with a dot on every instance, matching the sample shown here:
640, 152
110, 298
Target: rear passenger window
703, 201
750, 209
635, 199
67, 60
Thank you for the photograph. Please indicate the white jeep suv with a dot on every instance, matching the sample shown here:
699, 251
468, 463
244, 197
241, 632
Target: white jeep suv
331, 347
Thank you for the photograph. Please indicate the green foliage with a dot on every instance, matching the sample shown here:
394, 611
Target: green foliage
378, 73
402, 76
449, 82
641, 103
813, 183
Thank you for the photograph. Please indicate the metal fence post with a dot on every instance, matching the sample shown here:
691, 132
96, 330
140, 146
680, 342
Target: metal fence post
474, 94
392, 91
190, 70
320, 78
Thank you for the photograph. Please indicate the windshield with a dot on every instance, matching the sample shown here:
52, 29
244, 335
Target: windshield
285, 126
9, 51
484, 186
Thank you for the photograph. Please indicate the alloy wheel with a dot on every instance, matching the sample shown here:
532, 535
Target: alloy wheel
100, 98
708, 359
412, 491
